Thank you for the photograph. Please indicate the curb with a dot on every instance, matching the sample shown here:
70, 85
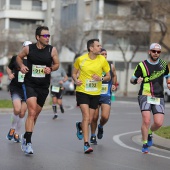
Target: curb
158, 141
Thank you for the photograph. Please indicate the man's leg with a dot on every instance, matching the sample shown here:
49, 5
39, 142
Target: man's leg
87, 116
144, 129
94, 126
105, 113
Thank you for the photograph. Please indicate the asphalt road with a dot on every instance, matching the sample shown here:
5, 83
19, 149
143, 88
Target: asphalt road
56, 146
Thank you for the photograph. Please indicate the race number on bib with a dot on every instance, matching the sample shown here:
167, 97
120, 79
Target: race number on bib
104, 89
38, 71
55, 89
91, 85
21, 77
153, 100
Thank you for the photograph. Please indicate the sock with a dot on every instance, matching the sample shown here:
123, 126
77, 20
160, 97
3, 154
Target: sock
86, 143
19, 125
150, 132
145, 142
54, 108
27, 136
93, 135
14, 120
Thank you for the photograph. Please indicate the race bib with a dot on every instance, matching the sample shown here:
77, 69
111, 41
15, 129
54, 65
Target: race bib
153, 100
38, 71
104, 89
91, 85
55, 89
21, 77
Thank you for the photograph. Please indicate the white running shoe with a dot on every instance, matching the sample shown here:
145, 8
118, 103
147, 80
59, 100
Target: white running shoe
28, 149
23, 143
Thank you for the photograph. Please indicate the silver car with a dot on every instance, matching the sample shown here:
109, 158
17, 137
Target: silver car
69, 87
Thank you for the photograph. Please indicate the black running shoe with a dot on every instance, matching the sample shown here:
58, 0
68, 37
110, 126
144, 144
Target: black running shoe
93, 140
100, 133
55, 116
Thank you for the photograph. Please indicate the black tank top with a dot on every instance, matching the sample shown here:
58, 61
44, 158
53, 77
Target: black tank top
37, 60
16, 71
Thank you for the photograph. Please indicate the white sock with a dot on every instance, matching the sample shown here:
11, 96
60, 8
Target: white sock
19, 125
14, 120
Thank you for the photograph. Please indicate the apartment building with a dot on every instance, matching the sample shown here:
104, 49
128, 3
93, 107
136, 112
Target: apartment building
123, 27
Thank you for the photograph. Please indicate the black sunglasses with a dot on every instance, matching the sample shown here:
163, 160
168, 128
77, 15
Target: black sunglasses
45, 35
154, 51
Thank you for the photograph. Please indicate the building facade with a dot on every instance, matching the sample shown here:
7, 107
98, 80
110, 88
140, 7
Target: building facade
124, 27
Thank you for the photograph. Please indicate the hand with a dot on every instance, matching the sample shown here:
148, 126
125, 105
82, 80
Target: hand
114, 87
96, 77
11, 76
78, 82
61, 82
139, 80
168, 85
24, 69
47, 70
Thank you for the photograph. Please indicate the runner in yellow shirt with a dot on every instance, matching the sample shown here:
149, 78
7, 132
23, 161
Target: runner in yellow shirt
88, 86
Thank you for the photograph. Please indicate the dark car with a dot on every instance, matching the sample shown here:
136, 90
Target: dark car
69, 86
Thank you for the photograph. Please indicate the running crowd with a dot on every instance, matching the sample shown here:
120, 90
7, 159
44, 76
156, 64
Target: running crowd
37, 67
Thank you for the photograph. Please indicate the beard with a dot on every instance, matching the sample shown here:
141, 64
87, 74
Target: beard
154, 59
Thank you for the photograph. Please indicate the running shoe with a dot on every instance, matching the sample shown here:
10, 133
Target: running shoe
150, 141
79, 131
93, 140
10, 135
62, 109
23, 143
145, 148
28, 149
100, 132
17, 138
87, 148
55, 117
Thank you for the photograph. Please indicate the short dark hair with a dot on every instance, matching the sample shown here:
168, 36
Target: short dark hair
103, 49
90, 43
39, 29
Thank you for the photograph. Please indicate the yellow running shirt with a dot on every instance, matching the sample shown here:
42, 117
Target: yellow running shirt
87, 67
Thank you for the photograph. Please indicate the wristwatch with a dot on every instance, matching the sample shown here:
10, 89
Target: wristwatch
102, 79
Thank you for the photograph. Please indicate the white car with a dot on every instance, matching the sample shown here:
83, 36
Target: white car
166, 92
69, 87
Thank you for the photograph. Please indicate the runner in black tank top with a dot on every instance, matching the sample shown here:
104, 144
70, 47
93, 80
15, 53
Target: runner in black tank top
42, 58
38, 57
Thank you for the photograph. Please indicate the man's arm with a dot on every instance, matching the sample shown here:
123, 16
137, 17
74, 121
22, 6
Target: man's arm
10, 73
56, 62
114, 79
20, 57
74, 76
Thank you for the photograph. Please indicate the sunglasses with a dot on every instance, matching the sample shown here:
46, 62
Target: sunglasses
154, 51
45, 35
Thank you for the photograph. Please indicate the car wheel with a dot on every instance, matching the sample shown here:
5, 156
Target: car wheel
166, 97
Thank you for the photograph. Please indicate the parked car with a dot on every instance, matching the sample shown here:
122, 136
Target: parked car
69, 86
166, 92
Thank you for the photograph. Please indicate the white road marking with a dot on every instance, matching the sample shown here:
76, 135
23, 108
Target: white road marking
116, 139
